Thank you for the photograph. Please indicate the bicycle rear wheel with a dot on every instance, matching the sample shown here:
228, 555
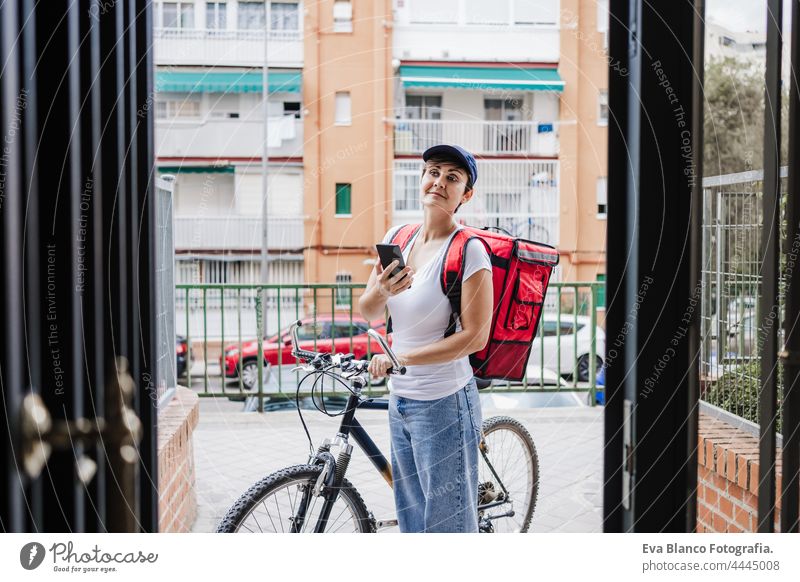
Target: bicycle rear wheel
508, 447
281, 500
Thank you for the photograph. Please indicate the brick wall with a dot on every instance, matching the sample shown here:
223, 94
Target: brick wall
727, 478
177, 502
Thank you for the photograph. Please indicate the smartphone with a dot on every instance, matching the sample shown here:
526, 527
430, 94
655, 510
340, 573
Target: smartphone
389, 253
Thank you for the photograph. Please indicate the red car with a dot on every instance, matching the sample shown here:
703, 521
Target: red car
331, 334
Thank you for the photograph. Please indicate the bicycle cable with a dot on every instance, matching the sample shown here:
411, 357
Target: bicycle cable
320, 375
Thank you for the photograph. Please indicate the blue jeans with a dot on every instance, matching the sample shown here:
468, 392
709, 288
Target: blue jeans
435, 461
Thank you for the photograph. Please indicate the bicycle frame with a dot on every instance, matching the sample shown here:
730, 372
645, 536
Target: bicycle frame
350, 427
334, 470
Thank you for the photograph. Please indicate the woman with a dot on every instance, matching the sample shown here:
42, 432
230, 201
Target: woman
434, 410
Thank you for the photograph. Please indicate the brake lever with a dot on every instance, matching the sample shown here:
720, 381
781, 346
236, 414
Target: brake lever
306, 368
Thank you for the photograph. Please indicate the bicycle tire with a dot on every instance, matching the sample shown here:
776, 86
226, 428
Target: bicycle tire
237, 519
510, 464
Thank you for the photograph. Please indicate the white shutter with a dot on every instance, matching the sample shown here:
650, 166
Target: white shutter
440, 11
536, 11
482, 12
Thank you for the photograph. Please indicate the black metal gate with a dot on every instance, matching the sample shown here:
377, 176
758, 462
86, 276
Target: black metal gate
655, 170
76, 287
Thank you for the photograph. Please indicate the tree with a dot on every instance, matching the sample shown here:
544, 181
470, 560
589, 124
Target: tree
733, 125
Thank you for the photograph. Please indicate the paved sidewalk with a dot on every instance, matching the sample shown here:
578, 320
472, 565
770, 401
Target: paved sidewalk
234, 449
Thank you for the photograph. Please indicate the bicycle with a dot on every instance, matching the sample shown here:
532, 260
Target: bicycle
316, 496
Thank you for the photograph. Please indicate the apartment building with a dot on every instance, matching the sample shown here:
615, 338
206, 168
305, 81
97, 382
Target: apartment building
357, 90
210, 124
523, 85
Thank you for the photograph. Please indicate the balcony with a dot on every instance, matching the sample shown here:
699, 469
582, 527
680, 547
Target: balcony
488, 138
175, 46
220, 138
519, 196
236, 233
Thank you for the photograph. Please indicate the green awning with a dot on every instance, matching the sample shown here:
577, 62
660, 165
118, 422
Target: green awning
513, 78
237, 82
196, 169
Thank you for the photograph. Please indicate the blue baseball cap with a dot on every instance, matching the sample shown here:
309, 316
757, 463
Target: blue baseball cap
458, 153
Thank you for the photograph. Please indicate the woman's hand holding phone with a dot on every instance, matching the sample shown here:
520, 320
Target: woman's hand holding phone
389, 285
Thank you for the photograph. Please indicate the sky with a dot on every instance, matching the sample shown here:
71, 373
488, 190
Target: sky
743, 15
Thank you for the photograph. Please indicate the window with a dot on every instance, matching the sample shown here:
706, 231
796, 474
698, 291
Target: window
342, 114
423, 107
251, 15
602, 16
602, 107
182, 107
342, 328
536, 12
216, 15
343, 299
342, 16
567, 328
601, 291
439, 12
343, 199
291, 108
602, 197
175, 15
284, 16
602, 20
503, 109
549, 328
406, 186
314, 330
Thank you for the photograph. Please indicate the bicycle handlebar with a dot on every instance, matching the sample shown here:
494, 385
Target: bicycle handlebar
310, 356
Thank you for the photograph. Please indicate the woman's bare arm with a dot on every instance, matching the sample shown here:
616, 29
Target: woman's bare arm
476, 321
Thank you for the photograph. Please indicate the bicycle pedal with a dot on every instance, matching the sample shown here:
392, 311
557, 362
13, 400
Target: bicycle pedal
384, 523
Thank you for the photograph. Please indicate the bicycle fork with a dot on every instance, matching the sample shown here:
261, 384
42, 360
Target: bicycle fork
327, 486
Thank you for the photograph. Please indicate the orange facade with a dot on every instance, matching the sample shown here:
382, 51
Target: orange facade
354, 149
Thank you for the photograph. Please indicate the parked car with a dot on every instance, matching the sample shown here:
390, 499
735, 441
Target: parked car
323, 334
574, 336
181, 351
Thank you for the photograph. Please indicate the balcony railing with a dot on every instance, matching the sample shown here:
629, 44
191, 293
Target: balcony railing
228, 137
236, 233
413, 136
226, 318
520, 196
175, 46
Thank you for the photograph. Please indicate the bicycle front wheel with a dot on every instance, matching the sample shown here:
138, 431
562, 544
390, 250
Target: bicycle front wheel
284, 502
508, 476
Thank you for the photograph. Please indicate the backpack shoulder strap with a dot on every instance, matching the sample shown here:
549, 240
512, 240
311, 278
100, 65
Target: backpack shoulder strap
401, 237
404, 234
452, 272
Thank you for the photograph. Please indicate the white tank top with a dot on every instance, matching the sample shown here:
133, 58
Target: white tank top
420, 316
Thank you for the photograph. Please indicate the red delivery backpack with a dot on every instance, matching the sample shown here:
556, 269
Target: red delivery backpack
521, 271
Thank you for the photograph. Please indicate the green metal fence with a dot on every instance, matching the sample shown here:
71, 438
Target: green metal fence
220, 320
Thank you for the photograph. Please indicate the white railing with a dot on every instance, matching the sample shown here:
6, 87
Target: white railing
236, 233
228, 137
413, 136
227, 47
520, 196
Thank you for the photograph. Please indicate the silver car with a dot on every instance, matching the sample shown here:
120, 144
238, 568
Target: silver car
573, 335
